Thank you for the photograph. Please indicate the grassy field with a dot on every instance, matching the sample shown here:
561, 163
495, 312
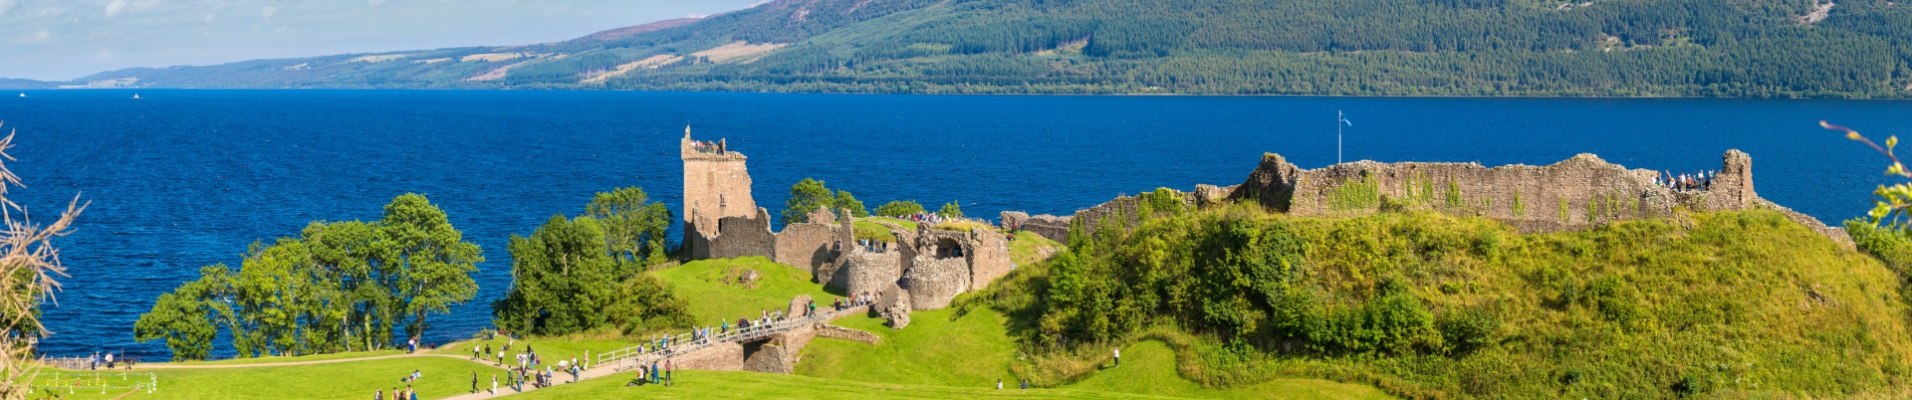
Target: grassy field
443, 377
750, 385
1149, 368
710, 288
972, 351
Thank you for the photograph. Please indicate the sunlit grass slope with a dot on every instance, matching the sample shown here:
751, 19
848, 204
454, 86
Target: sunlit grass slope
711, 289
972, 351
443, 377
1150, 368
1741, 304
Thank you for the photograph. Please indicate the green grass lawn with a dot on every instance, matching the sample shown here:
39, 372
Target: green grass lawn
1026, 249
1149, 368
874, 231
443, 377
961, 226
280, 359
702, 284
906, 224
752, 385
973, 351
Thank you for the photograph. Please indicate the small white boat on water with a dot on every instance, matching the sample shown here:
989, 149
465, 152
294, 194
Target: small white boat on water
136, 96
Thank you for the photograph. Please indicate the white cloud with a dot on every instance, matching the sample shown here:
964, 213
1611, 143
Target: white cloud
267, 11
40, 37
116, 7
375, 2
211, 17
7, 5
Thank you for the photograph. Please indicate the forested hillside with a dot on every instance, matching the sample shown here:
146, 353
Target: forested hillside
1725, 48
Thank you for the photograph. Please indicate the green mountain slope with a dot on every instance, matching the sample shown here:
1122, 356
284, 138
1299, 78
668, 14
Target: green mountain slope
1732, 48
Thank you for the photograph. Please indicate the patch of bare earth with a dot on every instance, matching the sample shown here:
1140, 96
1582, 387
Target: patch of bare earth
738, 50
652, 63
1819, 13
495, 74
492, 57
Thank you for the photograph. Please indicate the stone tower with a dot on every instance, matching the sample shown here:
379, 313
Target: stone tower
716, 185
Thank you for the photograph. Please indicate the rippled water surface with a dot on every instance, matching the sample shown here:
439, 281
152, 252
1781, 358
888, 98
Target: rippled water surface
180, 179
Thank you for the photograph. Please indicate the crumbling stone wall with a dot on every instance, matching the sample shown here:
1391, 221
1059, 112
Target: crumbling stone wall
1048, 226
988, 257
1122, 213
933, 281
1573, 194
716, 183
726, 356
743, 237
842, 333
867, 272
808, 246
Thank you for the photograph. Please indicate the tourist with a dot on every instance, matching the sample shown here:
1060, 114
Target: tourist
667, 373
1118, 356
109, 360
494, 384
378, 394
474, 381
1025, 384
998, 384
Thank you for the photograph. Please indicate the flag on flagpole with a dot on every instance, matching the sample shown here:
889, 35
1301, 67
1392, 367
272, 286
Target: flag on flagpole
1344, 120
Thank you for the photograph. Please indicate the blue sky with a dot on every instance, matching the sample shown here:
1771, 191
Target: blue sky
66, 39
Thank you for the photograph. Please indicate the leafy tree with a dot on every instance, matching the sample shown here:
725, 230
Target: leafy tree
184, 318
951, 210
571, 276
806, 197
899, 209
634, 226
338, 286
847, 201
562, 278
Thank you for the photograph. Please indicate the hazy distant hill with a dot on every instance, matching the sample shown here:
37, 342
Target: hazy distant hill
1729, 48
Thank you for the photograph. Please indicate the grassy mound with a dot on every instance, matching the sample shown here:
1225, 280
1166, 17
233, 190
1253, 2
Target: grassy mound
711, 288
443, 377
1428, 305
972, 351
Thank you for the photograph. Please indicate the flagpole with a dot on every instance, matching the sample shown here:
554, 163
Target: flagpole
1338, 117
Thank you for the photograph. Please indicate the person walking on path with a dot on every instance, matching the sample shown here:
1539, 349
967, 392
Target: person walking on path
474, 381
1118, 356
494, 384
667, 373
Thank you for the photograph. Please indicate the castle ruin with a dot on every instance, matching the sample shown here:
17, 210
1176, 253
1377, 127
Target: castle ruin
1574, 194
925, 265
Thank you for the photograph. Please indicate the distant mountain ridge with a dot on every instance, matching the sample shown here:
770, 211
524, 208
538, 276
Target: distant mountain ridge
1692, 48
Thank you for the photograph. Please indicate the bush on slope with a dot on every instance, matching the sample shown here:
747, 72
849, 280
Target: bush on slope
1428, 305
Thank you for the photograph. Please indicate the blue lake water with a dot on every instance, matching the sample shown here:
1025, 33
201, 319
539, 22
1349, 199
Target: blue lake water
185, 178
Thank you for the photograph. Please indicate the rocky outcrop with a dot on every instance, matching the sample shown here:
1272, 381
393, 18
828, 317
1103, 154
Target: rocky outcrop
893, 305
768, 357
